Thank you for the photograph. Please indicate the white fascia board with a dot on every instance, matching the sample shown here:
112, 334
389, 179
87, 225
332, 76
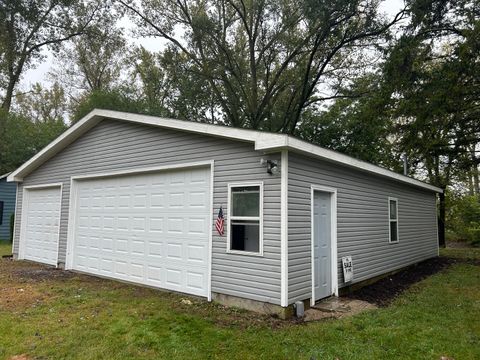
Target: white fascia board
196, 127
305, 147
263, 141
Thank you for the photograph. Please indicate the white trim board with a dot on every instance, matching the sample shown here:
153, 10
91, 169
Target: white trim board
73, 196
264, 141
4, 175
284, 229
15, 220
333, 234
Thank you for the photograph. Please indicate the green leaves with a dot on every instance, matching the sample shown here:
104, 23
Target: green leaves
22, 138
264, 61
27, 27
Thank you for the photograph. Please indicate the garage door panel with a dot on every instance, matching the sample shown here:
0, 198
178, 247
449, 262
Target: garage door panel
195, 280
42, 214
151, 229
155, 275
197, 253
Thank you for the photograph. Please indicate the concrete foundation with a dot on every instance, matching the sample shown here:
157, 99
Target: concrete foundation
254, 305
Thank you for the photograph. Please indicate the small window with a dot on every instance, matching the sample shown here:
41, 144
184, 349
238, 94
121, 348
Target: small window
1, 212
245, 218
393, 219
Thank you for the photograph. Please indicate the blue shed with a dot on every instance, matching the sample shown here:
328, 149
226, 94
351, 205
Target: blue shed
8, 191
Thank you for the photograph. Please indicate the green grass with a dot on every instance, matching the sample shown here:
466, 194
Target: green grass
79, 317
5, 248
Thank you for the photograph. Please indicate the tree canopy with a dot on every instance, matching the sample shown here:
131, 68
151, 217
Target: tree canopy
339, 74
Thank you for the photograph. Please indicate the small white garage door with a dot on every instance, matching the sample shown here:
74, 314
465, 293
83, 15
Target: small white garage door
149, 228
39, 241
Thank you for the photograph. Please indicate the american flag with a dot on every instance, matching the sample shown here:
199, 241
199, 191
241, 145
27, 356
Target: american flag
219, 222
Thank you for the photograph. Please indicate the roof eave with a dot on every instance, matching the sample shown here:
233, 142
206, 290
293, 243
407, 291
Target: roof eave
262, 141
297, 145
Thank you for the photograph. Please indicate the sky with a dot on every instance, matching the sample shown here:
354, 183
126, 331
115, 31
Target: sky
40, 72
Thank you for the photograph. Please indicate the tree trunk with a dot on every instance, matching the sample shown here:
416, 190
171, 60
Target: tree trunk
7, 101
475, 173
476, 181
441, 220
471, 190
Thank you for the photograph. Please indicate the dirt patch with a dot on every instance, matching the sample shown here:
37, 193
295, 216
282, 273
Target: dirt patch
337, 308
20, 297
384, 291
20, 357
41, 274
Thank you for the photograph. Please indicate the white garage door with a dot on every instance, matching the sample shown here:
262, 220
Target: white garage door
150, 228
41, 224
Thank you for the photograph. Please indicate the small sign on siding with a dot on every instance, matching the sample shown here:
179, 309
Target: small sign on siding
347, 266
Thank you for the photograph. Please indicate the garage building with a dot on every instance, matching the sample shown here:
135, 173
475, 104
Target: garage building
136, 198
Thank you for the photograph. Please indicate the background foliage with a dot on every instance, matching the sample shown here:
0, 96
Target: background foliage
339, 74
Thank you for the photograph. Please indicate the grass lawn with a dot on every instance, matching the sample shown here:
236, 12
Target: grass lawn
55, 314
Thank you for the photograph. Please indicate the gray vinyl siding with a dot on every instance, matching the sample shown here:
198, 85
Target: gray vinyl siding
117, 145
362, 222
7, 195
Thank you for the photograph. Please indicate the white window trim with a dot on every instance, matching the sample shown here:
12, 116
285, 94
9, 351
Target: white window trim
390, 221
260, 219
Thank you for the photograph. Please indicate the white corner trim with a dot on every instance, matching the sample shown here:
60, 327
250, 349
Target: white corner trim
284, 229
262, 141
15, 221
333, 234
23, 228
210, 237
228, 218
72, 205
23, 222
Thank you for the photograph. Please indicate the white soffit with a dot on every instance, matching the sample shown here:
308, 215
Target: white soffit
262, 141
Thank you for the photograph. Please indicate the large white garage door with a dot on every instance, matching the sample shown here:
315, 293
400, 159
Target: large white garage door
39, 241
150, 228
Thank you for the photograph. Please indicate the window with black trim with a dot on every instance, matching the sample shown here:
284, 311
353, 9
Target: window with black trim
1, 212
245, 218
393, 219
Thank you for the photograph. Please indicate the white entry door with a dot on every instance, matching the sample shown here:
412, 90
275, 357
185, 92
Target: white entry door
322, 250
40, 225
151, 228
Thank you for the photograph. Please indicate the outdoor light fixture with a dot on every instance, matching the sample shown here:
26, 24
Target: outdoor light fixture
272, 166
